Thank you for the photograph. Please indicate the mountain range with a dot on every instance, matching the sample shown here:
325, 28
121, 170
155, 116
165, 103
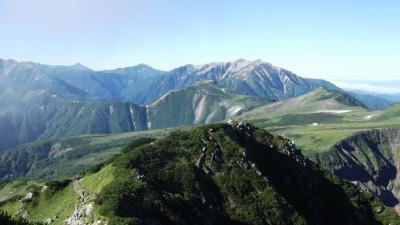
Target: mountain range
142, 84
41, 102
64, 128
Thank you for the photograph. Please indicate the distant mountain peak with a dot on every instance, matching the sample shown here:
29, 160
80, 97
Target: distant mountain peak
239, 68
140, 69
244, 65
239, 63
78, 66
339, 96
7, 64
256, 61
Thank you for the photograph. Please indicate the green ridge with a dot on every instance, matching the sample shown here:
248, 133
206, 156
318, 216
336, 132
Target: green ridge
239, 180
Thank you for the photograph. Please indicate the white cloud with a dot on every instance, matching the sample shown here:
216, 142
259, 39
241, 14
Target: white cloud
368, 87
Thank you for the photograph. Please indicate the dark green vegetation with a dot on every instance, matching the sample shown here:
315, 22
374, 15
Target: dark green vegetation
224, 174
216, 174
6, 219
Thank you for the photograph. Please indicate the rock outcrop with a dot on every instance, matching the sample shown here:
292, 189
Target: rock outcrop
371, 160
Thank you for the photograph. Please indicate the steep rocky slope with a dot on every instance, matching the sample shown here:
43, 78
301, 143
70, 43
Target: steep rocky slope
370, 159
217, 174
255, 78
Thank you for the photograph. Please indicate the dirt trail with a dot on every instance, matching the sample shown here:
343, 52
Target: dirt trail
84, 209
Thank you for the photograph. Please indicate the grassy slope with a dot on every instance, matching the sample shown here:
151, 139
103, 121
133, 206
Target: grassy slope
293, 118
18, 188
58, 205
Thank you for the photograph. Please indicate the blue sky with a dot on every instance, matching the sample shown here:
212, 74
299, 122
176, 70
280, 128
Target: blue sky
334, 40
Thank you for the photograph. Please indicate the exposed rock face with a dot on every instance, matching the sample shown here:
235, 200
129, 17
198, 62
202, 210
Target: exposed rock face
371, 160
28, 197
256, 78
201, 158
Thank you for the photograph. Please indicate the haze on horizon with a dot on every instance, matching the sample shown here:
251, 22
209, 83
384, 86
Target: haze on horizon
335, 40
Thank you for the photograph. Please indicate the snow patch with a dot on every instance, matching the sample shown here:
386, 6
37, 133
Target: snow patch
210, 117
234, 110
111, 108
334, 111
368, 117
